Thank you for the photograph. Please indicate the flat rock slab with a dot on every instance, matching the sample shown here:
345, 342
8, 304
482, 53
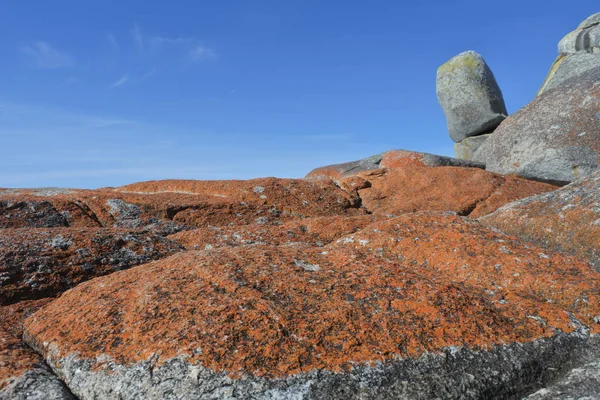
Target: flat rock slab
566, 220
469, 95
418, 306
36, 263
389, 159
555, 138
466, 191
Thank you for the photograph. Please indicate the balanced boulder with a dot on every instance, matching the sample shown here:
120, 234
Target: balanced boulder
578, 52
470, 96
555, 138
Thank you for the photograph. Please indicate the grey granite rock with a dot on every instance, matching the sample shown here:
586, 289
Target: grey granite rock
36, 384
581, 383
555, 138
579, 52
470, 96
465, 149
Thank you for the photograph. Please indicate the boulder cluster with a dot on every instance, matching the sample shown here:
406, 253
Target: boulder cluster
555, 138
404, 275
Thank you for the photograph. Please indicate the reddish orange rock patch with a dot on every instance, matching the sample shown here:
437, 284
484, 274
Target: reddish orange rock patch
462, 190
402, 158
15, 358
401, 287
313, 231
13, 316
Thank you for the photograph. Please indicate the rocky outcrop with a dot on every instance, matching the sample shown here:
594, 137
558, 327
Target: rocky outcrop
167, 207
579, 52
37, 263
566, 220
419, 306
24, 375
466, 191
555, 138
389, 159
469, 95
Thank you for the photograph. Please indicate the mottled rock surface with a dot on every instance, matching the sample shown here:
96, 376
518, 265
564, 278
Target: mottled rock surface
555, 138
566, 220
24, 375
418, 306
470, 96
466, 191
465, 149
582, 383
37, 263
578, 52
312, 231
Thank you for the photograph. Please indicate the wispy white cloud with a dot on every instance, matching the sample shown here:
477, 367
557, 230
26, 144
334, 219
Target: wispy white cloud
201, 53
119, 82
193, 51
43, 55
113, 41
138, 38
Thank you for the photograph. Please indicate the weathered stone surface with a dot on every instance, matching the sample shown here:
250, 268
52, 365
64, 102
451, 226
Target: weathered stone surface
12, 316
466, 191
338, 171
465, 149
312, 231
581, 383
566, 220
469, 95
24, 375
586, 38
419, 306
568, 66
555, 138
37, 263
166, 207
389, 159
578, 52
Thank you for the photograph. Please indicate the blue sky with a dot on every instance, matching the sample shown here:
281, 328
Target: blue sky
104, 93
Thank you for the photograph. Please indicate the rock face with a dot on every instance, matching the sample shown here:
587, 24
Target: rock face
45, 262
419, 306
566, 220
466, 191
469, 95
389, 159
555, 138
579, 51
465, 150
24, 375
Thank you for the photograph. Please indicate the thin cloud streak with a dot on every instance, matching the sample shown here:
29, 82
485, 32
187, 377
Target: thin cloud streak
42, 55
120, 82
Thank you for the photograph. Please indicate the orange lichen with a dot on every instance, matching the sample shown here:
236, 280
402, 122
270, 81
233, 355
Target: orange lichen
400, 287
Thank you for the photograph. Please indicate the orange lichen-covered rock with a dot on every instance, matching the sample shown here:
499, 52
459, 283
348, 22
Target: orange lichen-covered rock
465, 191
417, 306
170, 206
566, 220
313, 231
389, 159
24, 375
12, 316
36, 263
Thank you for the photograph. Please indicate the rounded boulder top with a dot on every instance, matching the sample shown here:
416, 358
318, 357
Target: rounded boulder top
470, 96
